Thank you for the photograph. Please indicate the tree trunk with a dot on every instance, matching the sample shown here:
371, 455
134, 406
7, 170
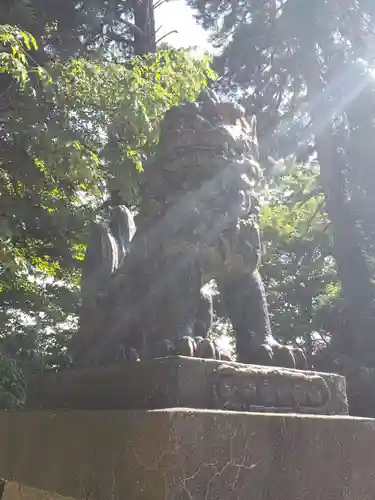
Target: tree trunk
144, 20
357, 289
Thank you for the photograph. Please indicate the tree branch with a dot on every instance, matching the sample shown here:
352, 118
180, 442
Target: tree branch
164, 36
159, 3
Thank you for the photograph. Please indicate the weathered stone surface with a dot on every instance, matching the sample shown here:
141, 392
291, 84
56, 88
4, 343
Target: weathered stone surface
14, 491
190, 383
182, 455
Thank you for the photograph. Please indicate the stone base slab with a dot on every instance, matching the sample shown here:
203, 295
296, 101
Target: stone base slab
182, 454
190, 383
15, 491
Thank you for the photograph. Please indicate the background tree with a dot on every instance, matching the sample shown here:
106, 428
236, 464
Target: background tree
298, 267
111, 29
305, 74
57, 161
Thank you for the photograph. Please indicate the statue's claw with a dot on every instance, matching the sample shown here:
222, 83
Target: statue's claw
263, 355
185, 346
162, 349
197, 347
276, 354
131, 355
206, 349
283, 356
300, 358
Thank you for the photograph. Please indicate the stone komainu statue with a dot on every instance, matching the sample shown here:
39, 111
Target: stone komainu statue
199, 221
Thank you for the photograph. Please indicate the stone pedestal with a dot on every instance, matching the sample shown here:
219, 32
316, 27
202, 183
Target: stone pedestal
183, 454
15, 491
190, 383
121, 433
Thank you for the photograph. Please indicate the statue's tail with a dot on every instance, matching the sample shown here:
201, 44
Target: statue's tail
123, 229
108, 245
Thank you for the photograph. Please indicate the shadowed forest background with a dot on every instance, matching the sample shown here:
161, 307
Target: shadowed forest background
83, 88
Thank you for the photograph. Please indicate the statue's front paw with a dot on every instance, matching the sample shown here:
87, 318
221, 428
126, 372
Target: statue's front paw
276, 354
185, 346
289, 357
206, 349
197, 347
162, 349
300, 358
131, 355
283, 356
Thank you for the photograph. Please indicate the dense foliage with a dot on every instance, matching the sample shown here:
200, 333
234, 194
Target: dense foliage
68, 131
298, 265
